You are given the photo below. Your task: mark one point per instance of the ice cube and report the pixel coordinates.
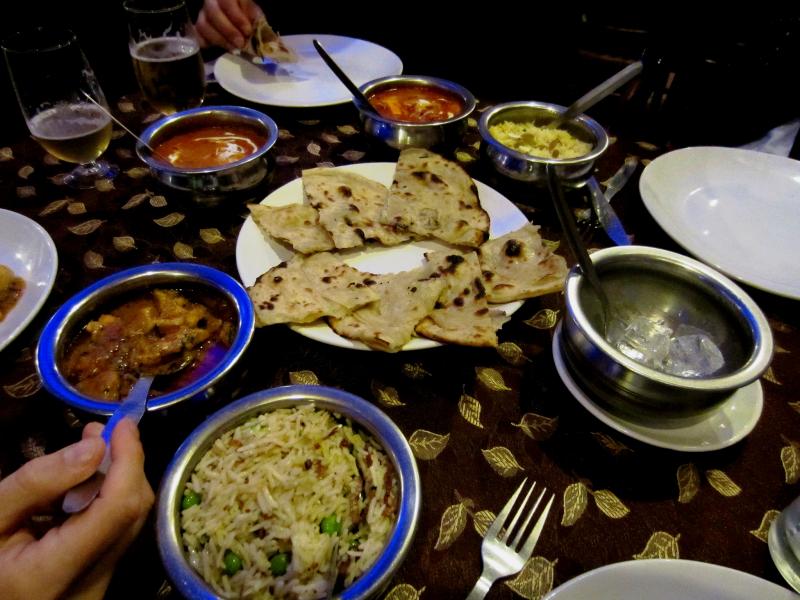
(693, 353)
(645, 339)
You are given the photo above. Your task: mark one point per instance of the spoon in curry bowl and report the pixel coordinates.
(358, 97)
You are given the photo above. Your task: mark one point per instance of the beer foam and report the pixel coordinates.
(164, 49)
(67, 121)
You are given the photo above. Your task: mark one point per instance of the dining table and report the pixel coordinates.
(478, 420)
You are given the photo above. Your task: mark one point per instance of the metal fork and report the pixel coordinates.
(501, 558)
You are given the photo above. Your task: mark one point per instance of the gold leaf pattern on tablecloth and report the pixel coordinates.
(123, 153)
(427, 445)
(26, 191)
(6, 154)
(780, 326)
(150, 118)
(512, 354)
(660, 545)
(414, 371)
(183, 251)
(117, 134)
(795, 405)
(347, 129)
(451, 525)
(609, 443)
(136, 200)
(286, 160)
(137, 172)
(330, 138)
(609, 504)
(126, 106)
(104, 185)
(404, 591)
(472, 122)
(50, 160)
(353, 155)
(535, 580)
(470, 409)
(76, 208)
(54, 206)
(582, 214)
(86, 227)
(285, 134)
(790, 459)
(211, 235)
(647, 146)
(769, 375)
(313, 148)
(762, 532)
(158, 201)
(780, 350)
(492, 379)
(544, 319)
(25, 387)
(325, 164)
(123, 243)
(93, 260)
(482, 520)
(170, 220)
(303, 378)
(576, 499)
(502, 461)
(720, 481)
(537, 427)
(25, 172)
(59, 179)
(309, 122)
(385, 394)
(464, 157)
(688, 482)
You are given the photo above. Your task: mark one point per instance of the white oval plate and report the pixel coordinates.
(668, 579)
(727, 424)
(255, 255)
(736, 210)
(28, 250)
(309, 82)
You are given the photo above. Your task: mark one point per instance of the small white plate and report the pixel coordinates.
(28, 250)
(309, 82)
(255, 255)
(668, 579)
(736, 210)
(724, 426)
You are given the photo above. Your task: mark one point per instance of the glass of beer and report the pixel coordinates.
(166, 55)
(61, 100)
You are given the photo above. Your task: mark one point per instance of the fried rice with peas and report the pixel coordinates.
(265, 506)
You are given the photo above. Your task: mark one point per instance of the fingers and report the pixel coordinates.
(224, 23)
(42, 480)
(92, 430)
(253, 12)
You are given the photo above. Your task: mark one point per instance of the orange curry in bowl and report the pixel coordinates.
(416, 103)
(180, 333)
(210, 146)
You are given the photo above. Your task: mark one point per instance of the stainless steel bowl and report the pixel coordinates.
(657, 283)
(210, 183)
(65, 324)
(400, 134)
(525, 167)
(381, 427)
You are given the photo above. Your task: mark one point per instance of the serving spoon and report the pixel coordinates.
(358, 96)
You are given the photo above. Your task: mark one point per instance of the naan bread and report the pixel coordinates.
(518, 265)
(434, 197)
(296, 224)
(350, 207)
(307, 289)
(462, 314)
(265, 43)
(388, 324)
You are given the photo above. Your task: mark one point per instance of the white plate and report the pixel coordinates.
(27, 249)
(737, 210)
(668, 579)
(724, 426)
(308, 82)
(255, 255)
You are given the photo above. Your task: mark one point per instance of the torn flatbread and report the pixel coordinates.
(264, 42)
(434, 197)
(295, 224)
(518, 265)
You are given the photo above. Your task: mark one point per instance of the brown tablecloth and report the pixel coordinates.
(616, 499)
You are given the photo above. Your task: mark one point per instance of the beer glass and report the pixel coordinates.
(61, 100)
(166, 55)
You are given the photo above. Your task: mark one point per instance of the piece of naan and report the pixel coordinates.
(518, 265)
(264, 42)
(434, 197)
(388, 324)
(295, 224)
(306, 289)
(462, 314)
(350, 207)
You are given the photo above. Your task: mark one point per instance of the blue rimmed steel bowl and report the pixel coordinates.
(65, 324)
(170, 543)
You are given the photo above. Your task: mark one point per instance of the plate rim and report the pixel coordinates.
(50, 275)
(668, 222)
(417, 342)
(321, 36)
(622, 425)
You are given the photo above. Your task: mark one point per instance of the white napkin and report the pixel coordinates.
(777, 141)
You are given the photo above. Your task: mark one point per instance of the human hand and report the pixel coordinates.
(226, 23)
(77, 558)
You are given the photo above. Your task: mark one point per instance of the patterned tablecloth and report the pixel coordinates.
(478, 419)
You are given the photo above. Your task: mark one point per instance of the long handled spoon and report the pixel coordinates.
(359, 97)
